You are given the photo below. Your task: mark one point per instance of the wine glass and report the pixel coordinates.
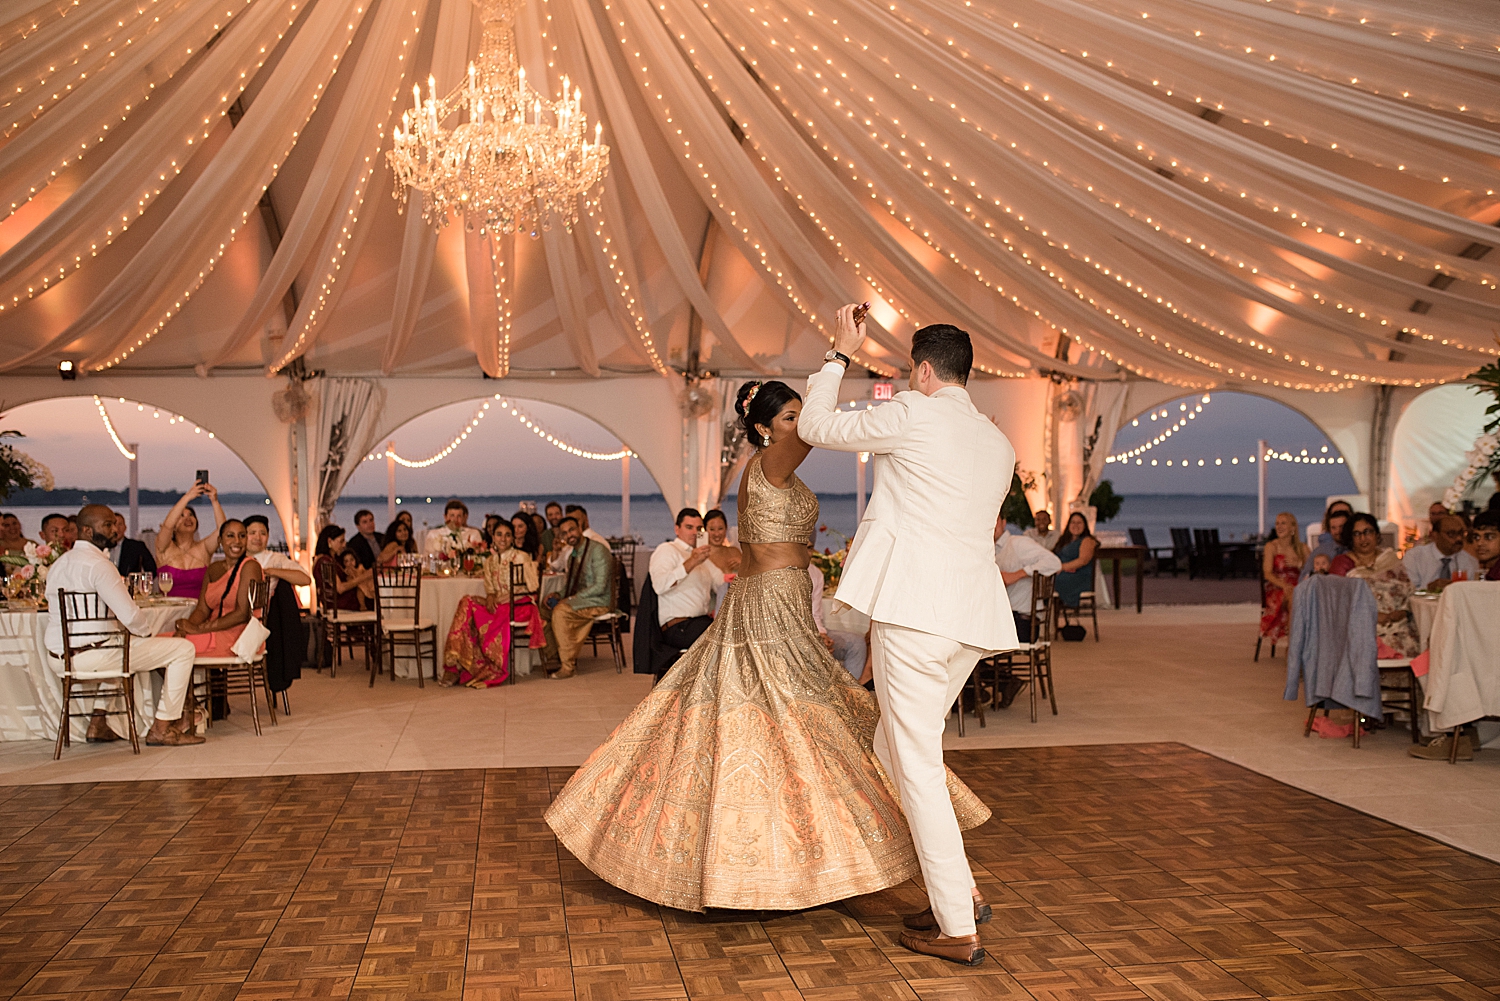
(164, 581)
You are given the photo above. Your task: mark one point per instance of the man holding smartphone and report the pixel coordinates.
(683, 579)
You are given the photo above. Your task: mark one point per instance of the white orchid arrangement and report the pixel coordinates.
(1484, 458)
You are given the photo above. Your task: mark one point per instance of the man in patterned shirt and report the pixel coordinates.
(586, 597)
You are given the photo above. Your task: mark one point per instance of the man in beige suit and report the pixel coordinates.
(922, 568)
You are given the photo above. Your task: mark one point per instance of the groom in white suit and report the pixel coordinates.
(922, 567)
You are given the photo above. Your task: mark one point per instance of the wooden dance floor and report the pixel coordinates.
(1116, 873)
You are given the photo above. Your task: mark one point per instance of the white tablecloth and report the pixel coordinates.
(31, 691)
(1423, 611)
(440, 598)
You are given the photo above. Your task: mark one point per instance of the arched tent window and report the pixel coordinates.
(70, 436)
(1193, 462)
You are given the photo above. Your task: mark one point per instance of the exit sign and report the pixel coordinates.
(883, 391)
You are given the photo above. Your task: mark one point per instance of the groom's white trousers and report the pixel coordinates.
(917, 677)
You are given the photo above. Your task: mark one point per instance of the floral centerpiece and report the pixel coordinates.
(458, 552)
(831, 562)
(26, 574)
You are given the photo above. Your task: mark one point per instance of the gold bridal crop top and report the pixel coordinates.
(777, 515)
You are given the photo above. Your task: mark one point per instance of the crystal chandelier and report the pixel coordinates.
(515, 161)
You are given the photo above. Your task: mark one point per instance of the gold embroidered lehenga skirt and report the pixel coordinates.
(746, 779)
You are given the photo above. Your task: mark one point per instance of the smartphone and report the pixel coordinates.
(202, 476)
(860, 311)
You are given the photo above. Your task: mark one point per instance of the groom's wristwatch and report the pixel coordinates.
(837, 356)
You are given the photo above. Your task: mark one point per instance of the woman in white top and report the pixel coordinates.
(277, 566)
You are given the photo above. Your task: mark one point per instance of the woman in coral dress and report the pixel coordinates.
(224, 607)
(1282, 568)
(746, 779)
(478, 649)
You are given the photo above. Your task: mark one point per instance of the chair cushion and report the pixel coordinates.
(1393, 663)
(348, 617)
(105, 674)
(222, 661)
(405, 625)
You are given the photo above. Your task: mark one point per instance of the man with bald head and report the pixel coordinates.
(1433, 565)
(87, 567)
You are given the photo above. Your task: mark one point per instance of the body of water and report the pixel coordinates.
(1233, 515)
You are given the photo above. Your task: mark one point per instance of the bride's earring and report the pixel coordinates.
(765, 439)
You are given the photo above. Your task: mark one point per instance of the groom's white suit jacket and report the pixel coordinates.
(924, 555)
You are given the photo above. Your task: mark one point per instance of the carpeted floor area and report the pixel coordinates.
(1116, 872)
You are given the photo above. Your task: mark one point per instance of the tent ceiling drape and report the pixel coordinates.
(1200, 192)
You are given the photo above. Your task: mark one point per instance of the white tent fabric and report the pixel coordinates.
(1206, 193)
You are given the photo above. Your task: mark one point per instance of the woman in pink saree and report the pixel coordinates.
(478, 648)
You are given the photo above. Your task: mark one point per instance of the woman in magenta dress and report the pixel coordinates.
(224, 607)
(1282, 567)
(179, 551)
(477, 653)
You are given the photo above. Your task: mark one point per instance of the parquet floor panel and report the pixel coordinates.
(1143, 872)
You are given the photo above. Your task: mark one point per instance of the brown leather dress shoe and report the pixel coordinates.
(964, 950)
(99, 731)
(170, 736)
(924, 920)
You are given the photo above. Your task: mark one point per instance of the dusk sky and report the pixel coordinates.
(501, 456)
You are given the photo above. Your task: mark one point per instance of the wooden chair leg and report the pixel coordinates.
(1094, 611)
(1411, 696)
(1032, 676)
(265, 686)
(130, 727)
(65, 723)
(1453, 745)
(1311, 715)
(1051, 691)
(959, 705)
(1256, 658)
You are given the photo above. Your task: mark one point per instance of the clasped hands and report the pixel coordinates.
(848, 336)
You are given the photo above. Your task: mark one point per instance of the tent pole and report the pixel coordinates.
(1260, 476)
(390, 482)
(625, 497)
(135, 489)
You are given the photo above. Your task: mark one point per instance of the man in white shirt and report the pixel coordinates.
(683, 580)
(1434, 563)
(1042, 532)
(850, 649)
(456, 533)
(1018, 557)
(85, 567)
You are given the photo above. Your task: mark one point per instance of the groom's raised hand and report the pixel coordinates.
(847, 335)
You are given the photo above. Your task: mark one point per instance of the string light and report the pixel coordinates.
(110, 427)
(506, 406)
(1181, 423)
(1302, 457)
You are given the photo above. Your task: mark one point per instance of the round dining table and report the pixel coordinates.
(31, 688)
(440, 598)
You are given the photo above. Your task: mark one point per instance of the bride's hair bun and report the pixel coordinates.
(760, 402)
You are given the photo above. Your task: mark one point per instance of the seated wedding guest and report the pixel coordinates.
(684, 579)
(1018, 557)
(585, 595)
(366, 589)
(477, 653)
(277, 567)
(406, 517)
(1042, 531)
(724, 557)
(539, 529)
(488, 531)
(54, 530)
(11, 538)
(398, 543)
(1435, 513)
(850, 649)
(456, 533)
(1281, 567)
(1380, 568)
(1331, 542)
(179, 550)
(328, 551)
(1485, 542)
(367, 543)
(224, 606)
(1075, 548)
(554, 513)
(70, 534)
(579, 514)
(131, 555)
(85, 567)
(524, 535)
(1432, 566)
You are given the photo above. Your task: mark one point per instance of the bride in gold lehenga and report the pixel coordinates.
(746, 779)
